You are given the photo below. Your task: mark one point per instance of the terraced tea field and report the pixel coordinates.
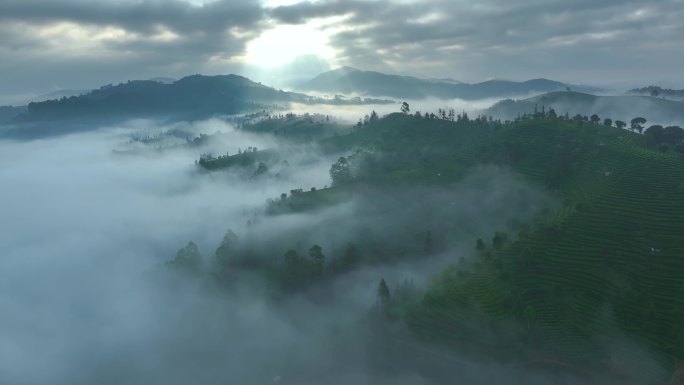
(607, 269)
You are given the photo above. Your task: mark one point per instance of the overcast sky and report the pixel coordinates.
(79, 44)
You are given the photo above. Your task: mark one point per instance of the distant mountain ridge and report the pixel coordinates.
(657, 91)
(196, 95)
(348, 80)
(613, 107)
(191, 97)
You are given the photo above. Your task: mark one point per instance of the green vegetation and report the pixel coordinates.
(657, 91)
(606, 262)
(295, 129)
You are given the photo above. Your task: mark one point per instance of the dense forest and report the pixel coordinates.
(596, 256)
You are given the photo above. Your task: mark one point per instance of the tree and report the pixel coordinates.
(383, 293)
(316, 255)
(656, 133)
(261, 169)
(405, 291)
(374, 117)
(530, 315)
(227, 250)
(499, 240)
(296, 269)
(620, 124)
(595, 119)
(637, 124)
(347, 261)
(291, 258)
(428, 248)
(340, 172)
(188, 257)
(405, 108)
(552, 114)
(673, 135)
(578, 119)
(350, 258)
(607, 122)
(480, 245)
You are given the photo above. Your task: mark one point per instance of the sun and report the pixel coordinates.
(284, 43)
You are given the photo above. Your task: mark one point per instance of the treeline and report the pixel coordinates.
(293, 270)
(656, 136)
(657, 91)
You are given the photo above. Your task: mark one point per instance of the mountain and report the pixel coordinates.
(191, 97)
(348, 80)
(657, 91)
(615, 107)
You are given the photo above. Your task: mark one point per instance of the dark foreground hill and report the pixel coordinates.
(348, 80)
(615, 107)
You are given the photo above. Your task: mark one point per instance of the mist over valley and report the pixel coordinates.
(341, 192)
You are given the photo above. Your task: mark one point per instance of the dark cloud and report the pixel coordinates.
(78, 44)
(475, 40)
(620, 42)
(144, 17)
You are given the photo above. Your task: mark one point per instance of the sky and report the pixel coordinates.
(47, 45)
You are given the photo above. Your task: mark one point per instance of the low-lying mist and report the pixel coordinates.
(352, 113)
(89, 219)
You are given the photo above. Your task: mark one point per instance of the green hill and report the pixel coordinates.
(578, 292)
(590, 284)
(614, 107)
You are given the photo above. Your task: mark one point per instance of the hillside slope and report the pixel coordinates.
(590, 290)
(615, 107)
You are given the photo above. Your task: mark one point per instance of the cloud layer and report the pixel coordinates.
(85, 230)
(76, 44)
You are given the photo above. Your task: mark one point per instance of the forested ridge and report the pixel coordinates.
(599, 258)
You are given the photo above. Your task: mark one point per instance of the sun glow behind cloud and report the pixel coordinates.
(285, 43)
